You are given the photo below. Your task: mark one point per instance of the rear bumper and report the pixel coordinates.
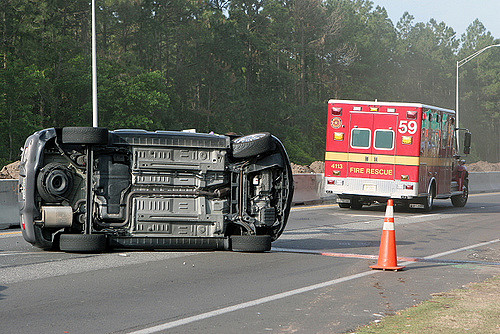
(371, 187)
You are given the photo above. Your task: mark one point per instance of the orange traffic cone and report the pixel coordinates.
(387, 257)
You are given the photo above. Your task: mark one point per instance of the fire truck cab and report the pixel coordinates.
(404, 151)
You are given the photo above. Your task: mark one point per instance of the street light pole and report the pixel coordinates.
(94, 70)
(456, 98)
(462, 62)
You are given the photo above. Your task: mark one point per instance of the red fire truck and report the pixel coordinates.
(405, 151)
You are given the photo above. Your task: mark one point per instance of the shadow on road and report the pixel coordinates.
(2, 288)
(440, 206)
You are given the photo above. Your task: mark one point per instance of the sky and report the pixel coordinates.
(457, 14)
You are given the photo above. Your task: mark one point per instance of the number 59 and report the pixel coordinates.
(407, 126)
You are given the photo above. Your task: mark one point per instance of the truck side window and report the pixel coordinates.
(360, 138)
(384, 139)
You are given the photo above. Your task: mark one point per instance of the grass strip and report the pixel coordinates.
(473, 309)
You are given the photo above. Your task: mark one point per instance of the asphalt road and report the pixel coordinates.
(276, 292)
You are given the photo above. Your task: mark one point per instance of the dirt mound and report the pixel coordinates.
(316, 167)
(11, 171)
(483, 166)
(297, 169)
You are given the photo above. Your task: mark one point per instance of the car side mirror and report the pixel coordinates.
(467, 141)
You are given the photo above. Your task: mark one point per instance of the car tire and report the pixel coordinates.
(85, 135)
(459, 201)
(251, 145)
(82, 243)
(250, 243)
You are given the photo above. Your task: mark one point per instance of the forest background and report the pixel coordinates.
(234, 66)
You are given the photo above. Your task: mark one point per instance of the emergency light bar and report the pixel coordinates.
(411, 114)
(336, 111)
(408, 140)
(338, 136)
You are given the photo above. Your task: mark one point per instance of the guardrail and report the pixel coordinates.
(309, 188)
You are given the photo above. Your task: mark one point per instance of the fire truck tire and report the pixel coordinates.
(429, 200)
(82, 243)
(356, 204)
(84, 135)
(460, 200)
(405, 205)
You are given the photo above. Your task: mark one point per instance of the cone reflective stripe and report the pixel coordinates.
(387, 257)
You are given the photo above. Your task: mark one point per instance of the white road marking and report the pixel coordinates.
(461, 249)
(84, 264)
(224, 310)
(18, 253)
(251, 303)
(376, 216)
(424, 216)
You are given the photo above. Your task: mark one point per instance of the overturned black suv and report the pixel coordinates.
(153, 190)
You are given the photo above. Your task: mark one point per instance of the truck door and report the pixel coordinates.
(372, 145)
(384, 145)
(360, 144)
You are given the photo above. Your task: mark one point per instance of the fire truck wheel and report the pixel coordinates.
(460, 200)
(405, 205)
(356, 203)
(429, 200)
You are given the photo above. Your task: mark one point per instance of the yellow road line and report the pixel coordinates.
(7, 233)
(295, 208)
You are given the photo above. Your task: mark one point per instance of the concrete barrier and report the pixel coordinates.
(9, 210)
(309, 188)
(484, 182)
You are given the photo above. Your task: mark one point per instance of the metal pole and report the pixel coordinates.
(460, 63)
(456, 115)
(94, 70)
(89, 195)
